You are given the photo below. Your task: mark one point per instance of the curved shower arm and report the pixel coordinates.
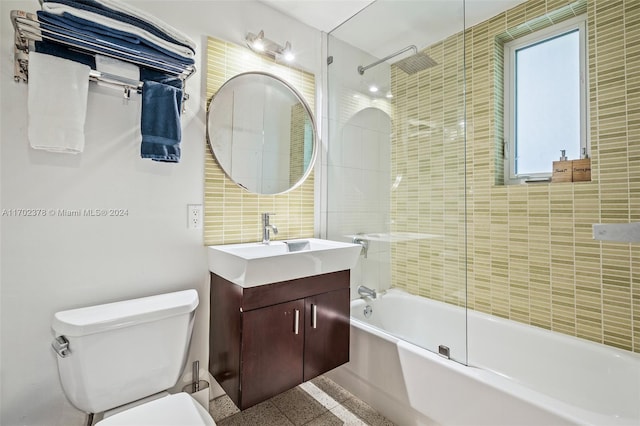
(362, 69)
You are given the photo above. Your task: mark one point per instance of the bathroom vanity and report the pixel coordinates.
(269, 338)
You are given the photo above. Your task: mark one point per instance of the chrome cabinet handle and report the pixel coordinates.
(296, 321)
(314, 316)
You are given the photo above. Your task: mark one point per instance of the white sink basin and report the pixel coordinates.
(252, 264)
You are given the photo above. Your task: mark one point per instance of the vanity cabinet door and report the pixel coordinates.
(272, 347)
(326, 332)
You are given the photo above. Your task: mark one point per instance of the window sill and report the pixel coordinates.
(548, 181)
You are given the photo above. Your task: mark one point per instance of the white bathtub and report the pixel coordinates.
(517, 374)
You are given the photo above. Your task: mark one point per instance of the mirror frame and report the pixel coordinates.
(305, 105)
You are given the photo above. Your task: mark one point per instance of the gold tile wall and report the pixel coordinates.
(231, 214)
(529, 249)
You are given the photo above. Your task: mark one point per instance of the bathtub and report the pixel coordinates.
(516, 374)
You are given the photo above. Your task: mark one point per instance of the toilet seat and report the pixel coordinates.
(179, 409)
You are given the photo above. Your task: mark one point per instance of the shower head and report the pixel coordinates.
(417, 62)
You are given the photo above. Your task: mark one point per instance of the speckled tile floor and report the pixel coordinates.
(318, 402)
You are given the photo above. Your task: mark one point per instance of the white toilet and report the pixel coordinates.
(125, 355)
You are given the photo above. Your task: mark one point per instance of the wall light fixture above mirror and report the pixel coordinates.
(262, 133)
(263, 46)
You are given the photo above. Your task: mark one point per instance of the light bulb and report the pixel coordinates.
(258, 45)
(287, 53)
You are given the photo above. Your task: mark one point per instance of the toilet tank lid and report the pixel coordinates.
(109, 316)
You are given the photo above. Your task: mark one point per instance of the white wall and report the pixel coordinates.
(55, 263)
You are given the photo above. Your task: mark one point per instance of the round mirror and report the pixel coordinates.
(262, 133)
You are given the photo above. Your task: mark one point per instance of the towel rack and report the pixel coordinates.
(27, 29)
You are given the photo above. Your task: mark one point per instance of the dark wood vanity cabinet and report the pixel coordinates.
(267, 339)
(271, 352)
(326, 338)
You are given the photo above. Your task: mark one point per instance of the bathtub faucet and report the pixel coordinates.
(366, 291)
(364, 243)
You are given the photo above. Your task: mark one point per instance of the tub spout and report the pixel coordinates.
(366, 291)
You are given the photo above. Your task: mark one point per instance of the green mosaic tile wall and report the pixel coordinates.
(529, 248)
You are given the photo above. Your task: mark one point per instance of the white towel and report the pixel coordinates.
(57, 103)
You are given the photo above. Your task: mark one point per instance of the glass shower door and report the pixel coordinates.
(396, 161)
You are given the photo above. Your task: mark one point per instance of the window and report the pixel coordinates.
(545, 100)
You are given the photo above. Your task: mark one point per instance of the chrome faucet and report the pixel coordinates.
(366, 291)
(364, 243)
(266, 227)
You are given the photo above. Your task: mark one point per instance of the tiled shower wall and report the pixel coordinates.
(232, 214)
(529, 248)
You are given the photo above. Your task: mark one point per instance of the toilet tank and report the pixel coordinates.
(123, 351)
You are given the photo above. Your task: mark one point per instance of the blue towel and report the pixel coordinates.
(62, 51)
(72, 27)
(107, 39)
(120, 53)
(153, 63)
(160, 119)
(94, 7)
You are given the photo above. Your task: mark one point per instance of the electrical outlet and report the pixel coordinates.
(194, 216)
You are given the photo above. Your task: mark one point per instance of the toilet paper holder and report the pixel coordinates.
(199, 389)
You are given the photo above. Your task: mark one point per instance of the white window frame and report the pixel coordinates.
(578, 23)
